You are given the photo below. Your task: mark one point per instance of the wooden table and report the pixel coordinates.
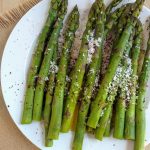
(10, 136)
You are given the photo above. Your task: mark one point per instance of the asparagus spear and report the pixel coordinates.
(128, 8)
(140, 103)
(44, 70)
(100, 99)
(108, 126)
(78, 73)
(57, 105)
(113, 4)
(90, 81)
(106, 112)
(130, 111)
(113, 88)
(140, 61)
(49, 96)
(113, 18)
(36, 62)
(121, 102)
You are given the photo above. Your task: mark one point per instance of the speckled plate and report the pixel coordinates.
(14, 67)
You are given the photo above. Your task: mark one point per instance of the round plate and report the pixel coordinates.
(14, 67)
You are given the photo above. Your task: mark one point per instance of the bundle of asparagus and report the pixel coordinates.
(37, 59)
(114, 99)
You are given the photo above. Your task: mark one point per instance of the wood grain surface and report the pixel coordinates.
(10, 136)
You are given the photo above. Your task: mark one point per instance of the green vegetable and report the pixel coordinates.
(113, 4)
(44, 70)
(36, 61)
(93, 71)
(78, 73)
(130, 111)
(140, 61)
(114, 17)
(49, 98)
(140, 126)
(113, 88)
(57, 105)
(108, 126)
(99, 102)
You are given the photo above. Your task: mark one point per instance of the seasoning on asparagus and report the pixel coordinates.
(44, 70)
(57, 104)
(130, 111)
(109, 123)
(123, 96)
(36, 61)
(49, 97)
(91, 78)
(140, 103)
(140, 61)
(114, 17)
(78, 73)
(99, 102)
(124, 93)
(113, 88)
(113, 4)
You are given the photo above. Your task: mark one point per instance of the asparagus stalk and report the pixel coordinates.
(113, 88)
(140, 61)
(140, 103)
(114, 17)
(121, 105)
(130, 111)
(78, 73)
(113, 4)
(99, 102)
(90, 80)
(49, 96)
(36, 61)
(57, 105)
(120, 111)
(121, 102)
(125, 9)
(44, 70)
(100, 99)
(108, 126)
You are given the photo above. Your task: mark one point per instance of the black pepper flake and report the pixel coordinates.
(11, 87)
(8, 106)
(147, 20)
(9, 72)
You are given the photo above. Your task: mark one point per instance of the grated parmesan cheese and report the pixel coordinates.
(68, 79)
(53, 67)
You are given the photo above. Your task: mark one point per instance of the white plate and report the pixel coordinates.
(15, 63)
